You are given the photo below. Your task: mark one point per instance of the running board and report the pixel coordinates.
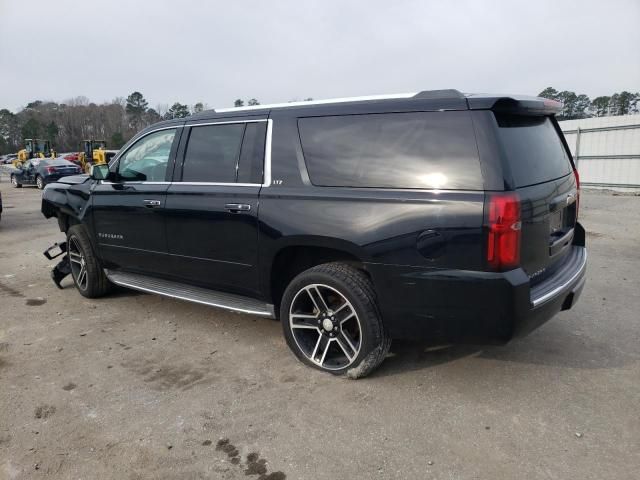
(228, 301)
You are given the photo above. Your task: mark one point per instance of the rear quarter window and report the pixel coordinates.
(421, 150)
(533, 148)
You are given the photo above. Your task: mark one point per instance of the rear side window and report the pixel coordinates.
(393, 150)
(533, 148)
(252, 155)
(212, 153)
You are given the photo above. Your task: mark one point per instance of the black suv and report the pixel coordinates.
(435, 215)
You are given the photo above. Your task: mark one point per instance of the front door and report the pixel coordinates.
(128, 212)
(211, 209)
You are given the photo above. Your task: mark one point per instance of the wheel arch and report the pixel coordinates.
(301, 253)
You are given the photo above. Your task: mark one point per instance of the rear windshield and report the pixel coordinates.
(533, 148)
(425, 150)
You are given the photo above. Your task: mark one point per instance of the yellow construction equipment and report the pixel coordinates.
(34, 148)
(94, 152)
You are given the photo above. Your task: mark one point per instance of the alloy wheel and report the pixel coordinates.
(39, 183)
(325, 326)
(78, 264)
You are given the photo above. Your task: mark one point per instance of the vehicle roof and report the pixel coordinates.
(428, 100)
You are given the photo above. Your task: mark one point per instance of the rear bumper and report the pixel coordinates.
(558, 293)
(474, 307)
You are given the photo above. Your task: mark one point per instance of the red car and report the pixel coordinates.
(72, 157)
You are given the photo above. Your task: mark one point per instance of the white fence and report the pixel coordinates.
(606, 150)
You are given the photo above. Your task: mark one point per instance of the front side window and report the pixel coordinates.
(147, 159)
(213, 153)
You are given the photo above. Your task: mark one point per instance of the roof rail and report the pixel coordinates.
(424, 95)
(316, 102)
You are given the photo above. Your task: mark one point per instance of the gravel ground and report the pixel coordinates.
(139, 386)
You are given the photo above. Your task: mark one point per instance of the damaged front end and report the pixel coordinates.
(63, 267)
(67, 200)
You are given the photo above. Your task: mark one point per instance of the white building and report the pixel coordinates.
(606, 150)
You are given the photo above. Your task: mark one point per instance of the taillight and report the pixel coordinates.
(51, 169)
(575, 172)
(503, 240)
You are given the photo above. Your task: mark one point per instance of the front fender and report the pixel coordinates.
(62, 199)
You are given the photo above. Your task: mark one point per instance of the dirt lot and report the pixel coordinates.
(139, 386)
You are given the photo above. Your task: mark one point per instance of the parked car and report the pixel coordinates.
(6, 159)
(73, 157)
(40, 172)
(437, 216)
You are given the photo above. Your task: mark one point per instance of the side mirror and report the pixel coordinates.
(99, 172)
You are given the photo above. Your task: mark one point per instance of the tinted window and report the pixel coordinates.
(147, 159)
(534, 150)
(212, 153)
(397, 150)
(252, 156)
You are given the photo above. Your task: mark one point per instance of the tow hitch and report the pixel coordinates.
(63, 268)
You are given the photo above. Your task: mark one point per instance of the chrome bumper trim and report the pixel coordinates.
(561, 288)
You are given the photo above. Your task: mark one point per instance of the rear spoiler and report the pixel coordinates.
(521, 104)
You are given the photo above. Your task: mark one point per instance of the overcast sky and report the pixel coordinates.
(217, 51)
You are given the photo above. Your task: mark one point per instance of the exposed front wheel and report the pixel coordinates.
(39, 182)
(86, 271)
(331, 320)
(14, 182)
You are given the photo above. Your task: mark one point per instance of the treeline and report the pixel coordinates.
(581, 106)
(67, 124)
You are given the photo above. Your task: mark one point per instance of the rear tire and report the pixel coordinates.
(14, 182)
(331, 321)
(86, 270)
(39, 182)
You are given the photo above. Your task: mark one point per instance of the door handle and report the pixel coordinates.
(238, 207)
(151, 203)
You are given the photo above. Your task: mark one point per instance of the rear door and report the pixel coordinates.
(212, 205)
(540, 169)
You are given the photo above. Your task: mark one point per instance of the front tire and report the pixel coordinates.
(331, 321)
(39, 182)
(86, 271)
(14, 182)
